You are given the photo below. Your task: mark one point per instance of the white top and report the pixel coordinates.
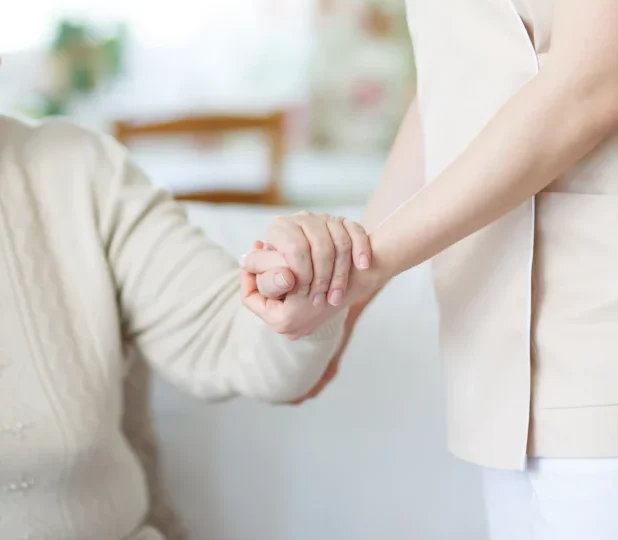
(95, 262)
(528, 305)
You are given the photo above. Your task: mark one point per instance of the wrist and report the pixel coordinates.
(362, 287)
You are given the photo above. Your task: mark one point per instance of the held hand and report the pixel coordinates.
(272, 272)
(293, 315)
(300, 314)
(320, 250)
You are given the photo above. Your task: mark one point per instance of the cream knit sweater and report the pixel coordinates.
(95, 262)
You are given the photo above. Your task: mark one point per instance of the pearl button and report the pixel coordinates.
(16, 429)
(21, 486)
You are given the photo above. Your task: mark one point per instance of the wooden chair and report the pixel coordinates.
(272, 126)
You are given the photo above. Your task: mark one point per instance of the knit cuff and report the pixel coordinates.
(330, 330)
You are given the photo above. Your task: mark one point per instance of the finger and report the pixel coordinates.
(287, 237)
(251, 297)
(322, 251)
(258, 261)
(275, 283)
(274, 280)
(361, 245)
(270, 310)
(343, 260)
(249, 289)
(248, 283)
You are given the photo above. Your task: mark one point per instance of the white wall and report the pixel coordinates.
(366, 461)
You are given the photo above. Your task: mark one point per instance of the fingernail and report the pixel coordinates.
(336, 297)
(363, 262)
(242, 262)
(281, 282)
(319, 300)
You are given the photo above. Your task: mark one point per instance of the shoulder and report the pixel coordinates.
(55, 138)
(59, 156)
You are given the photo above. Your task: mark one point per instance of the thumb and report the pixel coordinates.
(273, 278)
(258, 261)
(275, 283)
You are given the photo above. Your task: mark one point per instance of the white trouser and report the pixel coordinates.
(554, 499)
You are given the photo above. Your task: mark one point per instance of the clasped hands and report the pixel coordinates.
(309, 268)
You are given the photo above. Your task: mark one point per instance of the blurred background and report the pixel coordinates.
(226, 96)
(270, 105)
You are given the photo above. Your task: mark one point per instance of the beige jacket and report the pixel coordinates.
(94, 261)
(529, 305)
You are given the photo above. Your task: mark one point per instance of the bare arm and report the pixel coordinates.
(403, 176)
(404, 172)
(565, 112)
(560, 116)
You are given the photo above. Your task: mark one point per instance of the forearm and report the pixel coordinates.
(210, 345)
(403, 176)
(260, 364)
(180, 298)
(404, 172)
(214, 348)
(547, 127)
(568, 109)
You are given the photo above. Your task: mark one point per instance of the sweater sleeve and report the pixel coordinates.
(179, 296)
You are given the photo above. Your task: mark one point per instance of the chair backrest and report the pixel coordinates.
(271, 125)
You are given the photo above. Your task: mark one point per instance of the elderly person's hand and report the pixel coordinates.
(330, 260)
(319, 249)
(270, 275)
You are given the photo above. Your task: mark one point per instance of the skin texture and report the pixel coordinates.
(313, 245)
(322, 248)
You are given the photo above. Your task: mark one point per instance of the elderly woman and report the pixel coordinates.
(100, 275)
(518, 110)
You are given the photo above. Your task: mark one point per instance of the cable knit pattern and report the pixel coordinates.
(95, 262)
(139, 429)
